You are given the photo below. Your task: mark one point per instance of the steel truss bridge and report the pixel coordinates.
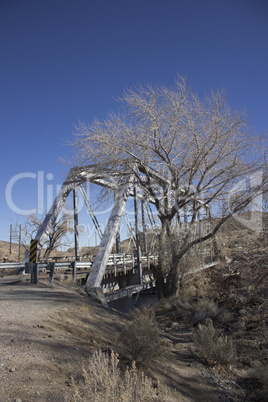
(100, 276)
(120, 278)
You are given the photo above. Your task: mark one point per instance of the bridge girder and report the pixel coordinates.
(77, 176)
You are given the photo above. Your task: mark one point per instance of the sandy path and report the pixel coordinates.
(41, 343)
(49, 330)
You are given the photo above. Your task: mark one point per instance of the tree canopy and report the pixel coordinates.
(187, 152)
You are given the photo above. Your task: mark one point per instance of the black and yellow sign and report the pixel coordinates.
(33, 251)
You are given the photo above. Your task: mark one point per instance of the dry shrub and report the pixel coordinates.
(263, 375)
(104, 381)
(215, 349)
(140, 338)
(195, 311)
(204, 309)
(256, 383)
(191, 310)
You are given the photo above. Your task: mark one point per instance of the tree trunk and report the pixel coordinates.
(168, 261)
(172, 281)
(160, 272)
(161, 286)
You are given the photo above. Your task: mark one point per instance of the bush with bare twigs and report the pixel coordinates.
(262, 374)
(191, 310)
(104, 381)
(215, 349)
(140, 338)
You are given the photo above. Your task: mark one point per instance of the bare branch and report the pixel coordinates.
(200, 145)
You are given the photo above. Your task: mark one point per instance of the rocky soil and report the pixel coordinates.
(48, 332)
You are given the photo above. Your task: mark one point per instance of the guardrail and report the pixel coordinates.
(116, 261)
(12, 265)
(117, 272)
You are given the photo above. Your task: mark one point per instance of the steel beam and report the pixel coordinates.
(99, 265)
(144, 228)
(137, 231)
(76, 234)
(52, 215)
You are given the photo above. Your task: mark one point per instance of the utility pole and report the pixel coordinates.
(19, 240)
(10, 240)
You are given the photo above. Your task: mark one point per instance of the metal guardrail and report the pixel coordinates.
(12, 265)
(115, 261)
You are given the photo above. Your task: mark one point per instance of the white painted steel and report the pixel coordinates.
(108, 238)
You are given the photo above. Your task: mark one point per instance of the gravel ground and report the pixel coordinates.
(48, 331)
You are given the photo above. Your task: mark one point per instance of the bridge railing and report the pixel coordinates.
(121, 277)
(117, 263)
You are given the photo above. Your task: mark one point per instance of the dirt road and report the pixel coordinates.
(48, 332)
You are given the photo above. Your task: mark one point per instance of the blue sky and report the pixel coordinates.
(65, 60)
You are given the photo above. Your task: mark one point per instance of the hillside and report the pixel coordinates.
(237, 233)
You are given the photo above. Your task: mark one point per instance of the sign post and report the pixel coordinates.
(33, 251)
(32, 259)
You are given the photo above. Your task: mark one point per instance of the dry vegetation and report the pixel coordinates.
(215, 349)
(140, 339)
(217, 326)
(227, 309)
(104, 381)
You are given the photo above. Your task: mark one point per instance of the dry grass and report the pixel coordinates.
(191, 310)
(104, 381)
(203, 309)
(262, 374)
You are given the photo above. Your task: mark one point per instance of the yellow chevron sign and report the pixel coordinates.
(33, 251)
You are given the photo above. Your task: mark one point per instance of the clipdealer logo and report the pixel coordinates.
(44, 191)
(253, 219)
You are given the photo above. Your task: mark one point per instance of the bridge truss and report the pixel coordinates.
(125, 189)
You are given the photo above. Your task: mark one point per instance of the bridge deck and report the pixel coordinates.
(121, 277)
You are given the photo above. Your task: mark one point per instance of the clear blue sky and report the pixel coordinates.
(65, 60)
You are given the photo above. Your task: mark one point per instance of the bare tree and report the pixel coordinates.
(189, 155)
(59, 231)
